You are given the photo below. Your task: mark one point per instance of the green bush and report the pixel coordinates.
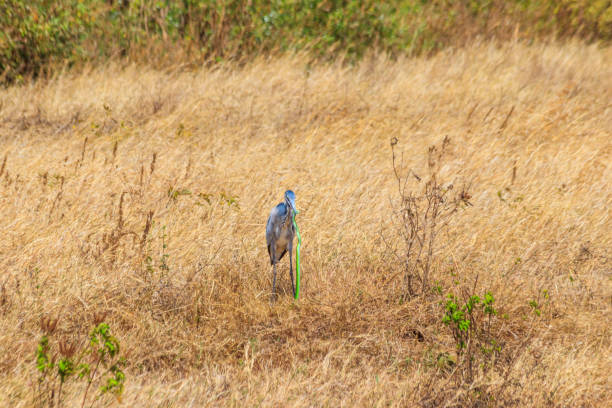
(37, 34)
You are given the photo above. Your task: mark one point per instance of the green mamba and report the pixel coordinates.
(297, 259)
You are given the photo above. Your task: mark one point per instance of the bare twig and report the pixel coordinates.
(419, 216)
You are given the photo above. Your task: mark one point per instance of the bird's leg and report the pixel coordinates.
(290, 249)
(273, 257)
(274, 283)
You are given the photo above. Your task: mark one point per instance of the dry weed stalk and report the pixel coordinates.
(111, 240)
(3, 166)
(98, 317)
(58, 198)
(115, 148)
(145, 232)
(82, 159)
(3, 297)
(67, 348)
(153, 160)
(48, 324)
(419, 216)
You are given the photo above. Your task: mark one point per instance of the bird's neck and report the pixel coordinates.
(289, 213)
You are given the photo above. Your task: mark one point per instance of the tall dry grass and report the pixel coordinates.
(90, 156)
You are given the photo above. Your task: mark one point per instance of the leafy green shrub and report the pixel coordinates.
(470, 323)
(37, 33)
(95, 362)
(591, 19)
(483, 349)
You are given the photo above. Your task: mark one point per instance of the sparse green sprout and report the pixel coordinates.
(65, 368)
(105, 343)
(229, 200)
(488, 304)
(205, 197)
(43, 362)
(114, 383)
(83, 370)
(534, 305)
(174, 194)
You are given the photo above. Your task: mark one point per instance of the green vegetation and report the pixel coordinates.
(37, 34)
(97, 361)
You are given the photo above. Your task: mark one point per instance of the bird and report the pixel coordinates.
(279, 235)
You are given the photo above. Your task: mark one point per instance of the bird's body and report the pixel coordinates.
(280, 233)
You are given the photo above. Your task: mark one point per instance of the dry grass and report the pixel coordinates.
(202, 331)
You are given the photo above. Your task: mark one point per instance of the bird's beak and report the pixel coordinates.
(292, 204)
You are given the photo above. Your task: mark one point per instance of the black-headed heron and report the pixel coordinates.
(279, 235)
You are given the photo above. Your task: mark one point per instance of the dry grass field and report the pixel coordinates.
(143, 195)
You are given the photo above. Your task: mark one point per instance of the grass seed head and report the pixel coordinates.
(48, 324)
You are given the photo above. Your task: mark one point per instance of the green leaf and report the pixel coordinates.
(65, 368)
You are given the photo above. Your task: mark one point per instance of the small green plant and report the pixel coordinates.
(174, 194)
(537, 304)
(94, 361)
(535, 307)
(470, 323)
(229, 200)
(163, 259)
(158, 269)
(205, 197)
(442, 361)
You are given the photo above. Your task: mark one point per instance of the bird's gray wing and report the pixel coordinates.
(273, 227)
(269, 235)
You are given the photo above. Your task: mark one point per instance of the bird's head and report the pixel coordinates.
(290, 200)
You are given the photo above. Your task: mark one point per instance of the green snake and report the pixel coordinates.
(297, 259)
